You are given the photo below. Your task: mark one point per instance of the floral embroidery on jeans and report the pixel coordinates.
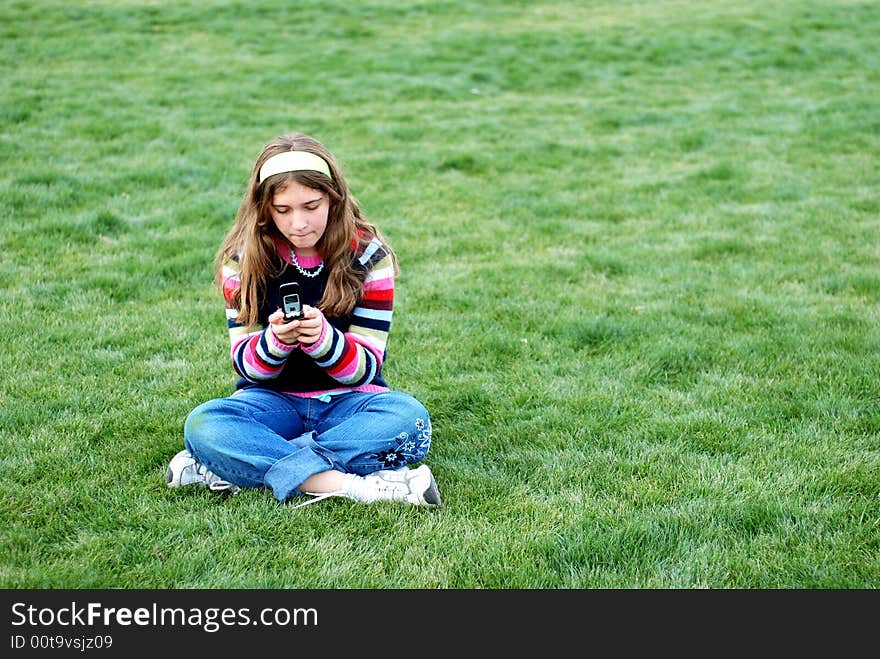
(408, 448)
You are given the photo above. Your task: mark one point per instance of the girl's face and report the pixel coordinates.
(300, 214)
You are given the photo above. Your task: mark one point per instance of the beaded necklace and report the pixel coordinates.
(303, 272)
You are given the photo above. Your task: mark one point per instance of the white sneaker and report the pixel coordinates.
(414, 486)
(184, 469)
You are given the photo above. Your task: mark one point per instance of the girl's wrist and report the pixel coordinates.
(275, 341)
(312, 347)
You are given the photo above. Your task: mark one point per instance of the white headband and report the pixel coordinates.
(293, 161)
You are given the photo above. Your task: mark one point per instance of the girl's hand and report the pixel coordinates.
(305, 330)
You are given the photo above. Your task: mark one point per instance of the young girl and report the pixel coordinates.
(311, 413)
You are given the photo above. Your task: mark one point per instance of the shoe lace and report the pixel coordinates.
(214, 482)
(316, 496)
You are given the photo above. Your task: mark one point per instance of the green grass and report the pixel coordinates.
(639, 291)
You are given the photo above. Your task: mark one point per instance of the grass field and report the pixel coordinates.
(639, 295)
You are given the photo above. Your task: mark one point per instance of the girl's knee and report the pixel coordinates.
(197, 429)
(406, 426)
(414, 441)
(408, 407)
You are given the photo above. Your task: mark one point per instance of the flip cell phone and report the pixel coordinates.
(291, 302)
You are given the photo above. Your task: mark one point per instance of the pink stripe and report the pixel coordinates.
(346, 373)
(252, 366)
(235, 347)
(366, 388)
(379, 284)
(252, 360)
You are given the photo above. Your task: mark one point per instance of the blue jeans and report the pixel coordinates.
(262, 438)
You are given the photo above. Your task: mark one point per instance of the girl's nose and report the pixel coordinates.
(298, 220)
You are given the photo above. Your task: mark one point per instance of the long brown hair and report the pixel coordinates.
(253, 238)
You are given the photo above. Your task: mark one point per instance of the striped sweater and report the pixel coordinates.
(350, 351)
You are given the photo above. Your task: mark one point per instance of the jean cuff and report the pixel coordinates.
(286, 475)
